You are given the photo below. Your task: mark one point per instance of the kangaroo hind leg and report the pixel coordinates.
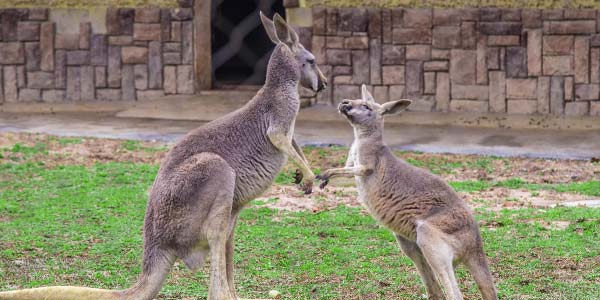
(410, 248)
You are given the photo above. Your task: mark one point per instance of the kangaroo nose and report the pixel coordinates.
(346, 102)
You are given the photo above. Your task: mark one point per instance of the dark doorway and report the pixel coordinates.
(240, 46)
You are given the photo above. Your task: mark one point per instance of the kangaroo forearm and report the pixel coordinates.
(299, 151)
(349, 172)
(284, 145)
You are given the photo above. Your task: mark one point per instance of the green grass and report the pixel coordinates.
(81, 225)
(455, 3)
(589, 188)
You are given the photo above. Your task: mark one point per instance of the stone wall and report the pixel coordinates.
(98, 54)
(462, 60)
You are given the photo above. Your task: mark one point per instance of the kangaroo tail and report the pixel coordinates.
(155, 268)
(478, 266)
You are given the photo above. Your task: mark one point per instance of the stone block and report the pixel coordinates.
(504, 40)
(386, 26)
(375, 22)
(332, 21)
(146, 32)
(557, 65)
(147, 15)
(28, 31)
(356, 42)
(481, 65)
(165, 25)
(155, 66)
(85, 34)
(396, 92)
(141, 77)
(172, 47)
(33, 56)
(414, 77)
(417, 17)
(339, 57)
(67, 41)
(342, 79)
(149, 94)
(134, 55)
(375, 61)
(187, 47)
(558, 44)
(581, 59)
(489, 14)
(108, 94)
(319, 20)
(120, 21)
(98, 50)
(580, 14)
(411, 36)
(393, 74)
(424, 103)
(342, 70)
(127, 83)
(463, 66)
(570, 27)
(446, 37)
(552, 14)
(497, 102)
(521, 88)
(87, 83)
(468, 106)
(436, 65)
(114, 67)
(12, 53)
(531, 18)
(185, 79)
(429, 83)
(21, 78)
(10, 84)
(381, 93)
(595, 108)
(557, 95)
(569, 88)
(120, 40)
(446, 17)
(440, 54)
(60, 69)
(500, 28)
(53, 95)
(587, 92)
(442, 92)
(9, 22)
(344, 91)
(492, 58)
(392, 55)
(534, 52)
(397, 13)
(521, 106)
(78, 57)
(469, 92)
(30, 95)
(170, 79)
(172, 58)
(40, 80)
(516, 62)
(543, 95)
(595, 65)
(577, 108)
(182, 14)
(319, 49)
(73, 84)
(38, 14)
(47, 46)
(468, 35)
(335, 42)
(353, 19)
(176, 31)
(510, 14)
(418, 52)
(100, 77)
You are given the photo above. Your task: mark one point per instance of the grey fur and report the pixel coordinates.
(209, 176)
(432, 224)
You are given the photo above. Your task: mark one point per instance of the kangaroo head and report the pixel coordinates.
(366, 113)
(281, 33)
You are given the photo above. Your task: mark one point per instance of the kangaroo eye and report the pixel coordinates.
(366, 107)
(310, 61)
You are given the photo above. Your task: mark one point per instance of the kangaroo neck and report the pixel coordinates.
(283, 72)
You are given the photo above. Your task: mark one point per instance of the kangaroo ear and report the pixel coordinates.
(366, 95)
(394, 107)
(269, 28)
(285, 33)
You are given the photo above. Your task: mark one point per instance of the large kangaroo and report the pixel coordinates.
(432, 224)
(208, 177)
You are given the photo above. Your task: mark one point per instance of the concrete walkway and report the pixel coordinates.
(168, 119)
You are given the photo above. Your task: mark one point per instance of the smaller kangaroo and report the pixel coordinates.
(432, 224)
